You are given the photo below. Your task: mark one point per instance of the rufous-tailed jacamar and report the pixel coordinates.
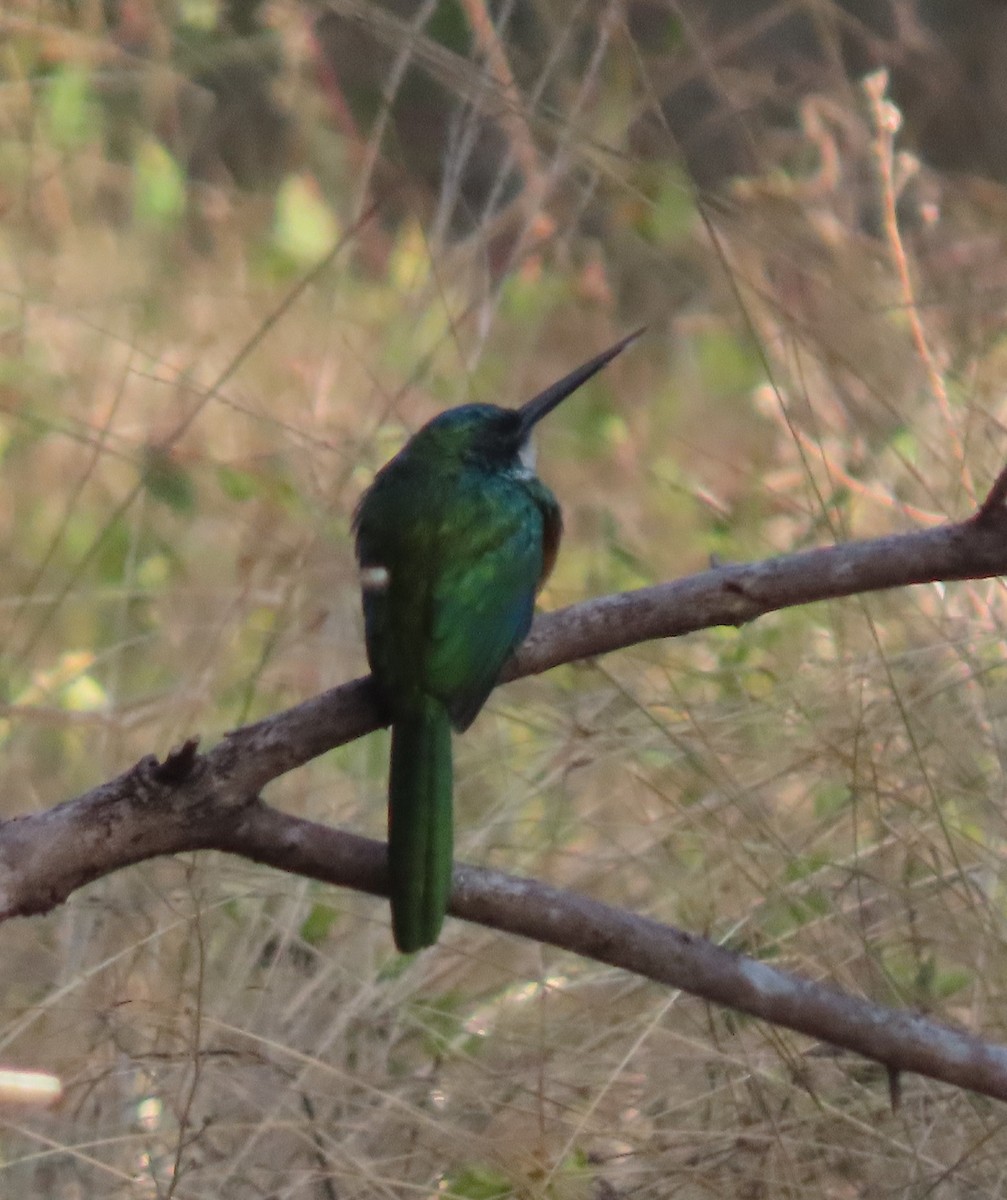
(455, 537)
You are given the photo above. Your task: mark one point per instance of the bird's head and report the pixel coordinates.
(475, 434)
(500, 438)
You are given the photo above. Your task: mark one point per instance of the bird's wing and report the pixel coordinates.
(481, 604)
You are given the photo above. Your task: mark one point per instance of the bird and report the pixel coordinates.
(454, 538)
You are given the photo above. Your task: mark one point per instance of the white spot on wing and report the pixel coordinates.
(374, 579)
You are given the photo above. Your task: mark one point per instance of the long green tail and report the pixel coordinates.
(420, 826)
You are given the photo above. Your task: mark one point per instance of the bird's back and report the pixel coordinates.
(463, 550)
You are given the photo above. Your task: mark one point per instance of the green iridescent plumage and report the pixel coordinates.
(454, 538)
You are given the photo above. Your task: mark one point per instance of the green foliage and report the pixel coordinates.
(305, 229)
(474, 1182)
(477, 1181)
(200, 14)
(394, 967)
(443, 1019)
(317, 925)
(159, 191)
(782, 918)
(238, 485)
(806, 865)
(449, 26)
(70, 107)
(831, 798)
(921, 980)
(670, 217)
(109, 545)
(167, 481)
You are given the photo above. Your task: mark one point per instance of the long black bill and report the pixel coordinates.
(546, 401)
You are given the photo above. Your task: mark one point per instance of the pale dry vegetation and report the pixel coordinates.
(824, 789)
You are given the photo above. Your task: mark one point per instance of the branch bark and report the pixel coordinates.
(196, 801)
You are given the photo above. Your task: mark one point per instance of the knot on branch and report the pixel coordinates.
(178, 766)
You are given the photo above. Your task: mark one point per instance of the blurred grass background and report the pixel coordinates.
(823, 789)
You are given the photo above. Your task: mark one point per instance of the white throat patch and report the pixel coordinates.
(374, 579)
(526, 457)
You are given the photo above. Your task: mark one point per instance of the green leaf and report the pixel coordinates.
(166, 481)
(830, 798)
(802, 866)
(316, 925)
(200, 14)
(116, 542)
(475, 1182)
(238, 485)
(154, 572)
(84, 694)
(449, 26)
(783, 916)
(71, 114)
(672, 215)
(394, 966)
(947, 983)
(159, 195)
(305, 229)
(443, 1023)
(905, 443)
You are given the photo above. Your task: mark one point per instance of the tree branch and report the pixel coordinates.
(196, 801)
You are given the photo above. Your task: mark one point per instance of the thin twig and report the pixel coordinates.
(991, 507)
(511, 115)
(887, 120)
